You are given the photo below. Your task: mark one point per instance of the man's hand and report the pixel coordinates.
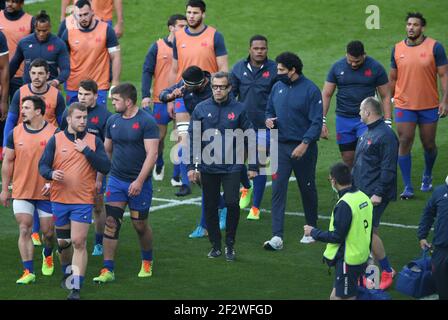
(376, 200)
(135, 188)
(443, 109)
(57, 175)
(119, 29)
(80, 145)
(307, 230)
(4, 198)
(424, 244)
(54, 83)
(109, 95)
(146, 102)
(270, 122)
(46, 189)
(3, 110)
(299, 151)
(251, 174)
(324, 132)
(194, 176)
(177, 93)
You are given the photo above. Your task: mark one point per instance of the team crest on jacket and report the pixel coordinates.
(95, 120)
(136, 126)
(231, 116)
(266, 74)
(368, 73)
(50, 47)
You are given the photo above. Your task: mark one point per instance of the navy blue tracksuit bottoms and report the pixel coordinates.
(305, 172)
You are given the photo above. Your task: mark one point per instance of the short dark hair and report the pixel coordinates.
(82, 3)
(42, 17)
(257, 37)
(38, 103)
(173, 19)
(126, 91)
(340, 172)
(89, 85)
(355, 48)
(39, 62)
(417, 15)
(76, 106)
(290, 60)
(196, 4)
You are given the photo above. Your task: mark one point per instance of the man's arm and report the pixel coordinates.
(7, 171)
(342, 222)
(389, 158)
(98, 159)
(327, 93)
(119, 27)
(442, 71)
(60, 109)
(427, 219)
(108, 147)
(63, 64)
(13, 116)
(151, 148)
(16, 61)
(46, 161)
(223, 64)
(64, 5)
(149, 67)
(4, 83)
(116, 67)
(385, 93)
(172, 93)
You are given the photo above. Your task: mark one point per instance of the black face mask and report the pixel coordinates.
(284, 78)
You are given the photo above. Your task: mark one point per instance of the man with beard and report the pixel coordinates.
(357, 76)
(157, 65)
(26, 144)
(252, 80)
(415, 64)
(55, 105)
(42, 44)
(132, 139)
(71, 160)
(97, 116)
(93, 45)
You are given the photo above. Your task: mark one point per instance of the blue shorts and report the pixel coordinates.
(160, 114)
(348, 130)
(378, 212)
(117, 191)
(65, 213)
(179, 106)
(72, 96)
(346, 279)
(417, 116)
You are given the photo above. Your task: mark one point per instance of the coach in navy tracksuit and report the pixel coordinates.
(215, 116)
(295, 108)
(437, 209)
(252, 80)
(45, 45)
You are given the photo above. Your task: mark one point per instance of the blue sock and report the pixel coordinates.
(385, 266)
(176, 170)
(147, 255)
(405, 163)
(160, 162)
(77, 282)
(430, 158)
(221, 203)
(244, 179)
(259, 186)
(109, 265)
(36, 222)
(28, 265)
(47, 251)
(98, 238)
(183, 169)
(65, 269)
(202, 223)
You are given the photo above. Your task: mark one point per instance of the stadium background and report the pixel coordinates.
(318, 32)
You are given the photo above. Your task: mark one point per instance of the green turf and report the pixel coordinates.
(318, 31)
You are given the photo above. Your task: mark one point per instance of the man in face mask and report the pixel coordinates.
(295, 109)
(349, 234)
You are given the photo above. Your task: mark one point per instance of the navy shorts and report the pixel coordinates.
(117, 191)
(348, 130)
(347, 277)
(160, 114)
(179, 106)
(64, 213)
(417, 116)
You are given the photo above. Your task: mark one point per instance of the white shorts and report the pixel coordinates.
(28, 207)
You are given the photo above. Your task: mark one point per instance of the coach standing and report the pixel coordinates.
(295, 109)
(219, 113)
(375, 174)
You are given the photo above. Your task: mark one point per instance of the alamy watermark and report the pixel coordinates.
(373, 20)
